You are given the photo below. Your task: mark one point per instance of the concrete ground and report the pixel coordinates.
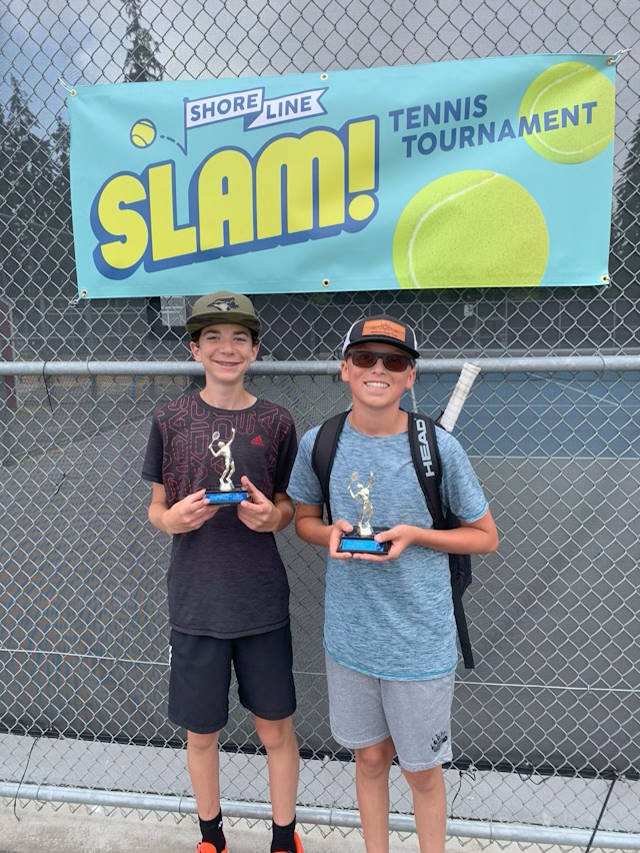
(92, 830)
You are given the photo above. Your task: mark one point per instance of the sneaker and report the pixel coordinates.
(297, 844)
(205, 847)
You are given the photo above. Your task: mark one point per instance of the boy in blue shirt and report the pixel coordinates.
(389, 632)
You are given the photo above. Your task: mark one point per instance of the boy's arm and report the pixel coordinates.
(472, 537)
(184, 516)
(310, 526)
(284, 505)
(264, 515)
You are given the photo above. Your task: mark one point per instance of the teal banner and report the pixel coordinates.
(481, 173)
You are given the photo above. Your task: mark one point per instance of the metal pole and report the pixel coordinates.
(546, 364)
(345, 818)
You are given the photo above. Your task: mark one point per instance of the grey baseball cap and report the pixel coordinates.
(223, 307)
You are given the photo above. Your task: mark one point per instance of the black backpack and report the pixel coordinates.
(426, 459)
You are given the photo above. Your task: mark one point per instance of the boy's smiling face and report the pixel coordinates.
(225, 350)
(377, 387)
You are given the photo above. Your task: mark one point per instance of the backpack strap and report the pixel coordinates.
(461, 619)
(324, 452)
(426, 460)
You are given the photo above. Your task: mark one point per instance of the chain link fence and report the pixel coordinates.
(546, 726)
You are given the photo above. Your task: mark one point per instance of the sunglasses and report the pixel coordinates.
(393, 361)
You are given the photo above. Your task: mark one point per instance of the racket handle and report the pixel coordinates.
(459, 395)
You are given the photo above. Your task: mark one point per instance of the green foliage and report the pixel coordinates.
(625, 234)
(27, 158)
(141, 62)
(36, 245)
(34, 207)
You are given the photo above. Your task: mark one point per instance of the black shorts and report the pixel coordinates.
(201, 675)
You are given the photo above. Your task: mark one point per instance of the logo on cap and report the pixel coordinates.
(224, 303)
(384, 327)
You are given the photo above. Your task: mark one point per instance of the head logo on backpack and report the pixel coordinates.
(426, 461)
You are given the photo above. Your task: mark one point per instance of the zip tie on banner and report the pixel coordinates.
(77, 299)
(613, 59)
(66, 86)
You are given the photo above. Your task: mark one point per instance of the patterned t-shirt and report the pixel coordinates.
(393, 620)
(224, 579)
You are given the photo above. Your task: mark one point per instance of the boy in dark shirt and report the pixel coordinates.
(228, 589)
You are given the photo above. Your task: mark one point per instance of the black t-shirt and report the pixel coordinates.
(224, 579)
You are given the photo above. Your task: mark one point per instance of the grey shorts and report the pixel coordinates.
(365, 710)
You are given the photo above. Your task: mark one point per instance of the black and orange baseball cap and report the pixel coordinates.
(385, 330)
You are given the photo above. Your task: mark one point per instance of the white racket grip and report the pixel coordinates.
(458, 396)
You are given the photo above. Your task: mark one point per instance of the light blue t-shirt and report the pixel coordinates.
(393, 620)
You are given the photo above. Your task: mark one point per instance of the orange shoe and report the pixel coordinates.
(205, 847)
(298, 848)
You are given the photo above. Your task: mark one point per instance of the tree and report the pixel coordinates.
(4, 162)
(625, 235)
(25, 185)
(141, 63)
(27, 170)
(60, 189)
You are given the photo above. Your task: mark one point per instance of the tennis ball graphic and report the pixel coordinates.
(566, 88)
(471, 229)
(143, 133)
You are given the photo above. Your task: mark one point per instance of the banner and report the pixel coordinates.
(480, 173)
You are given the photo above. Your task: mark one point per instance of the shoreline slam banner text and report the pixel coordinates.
(479, 173)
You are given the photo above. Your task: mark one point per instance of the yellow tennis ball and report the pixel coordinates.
(143, 133)
(471, 229)
(576, 104)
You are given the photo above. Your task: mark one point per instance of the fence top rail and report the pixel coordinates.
(534, 364)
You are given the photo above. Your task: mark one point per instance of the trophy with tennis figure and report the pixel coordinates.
(226, 493)
(362, 541)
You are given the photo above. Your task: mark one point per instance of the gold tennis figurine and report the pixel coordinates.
(362, 541)
(226, 493)
(363, 493)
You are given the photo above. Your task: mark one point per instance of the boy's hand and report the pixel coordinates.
(400, 536)
(258, 513)
(338, 528)
(189, 514)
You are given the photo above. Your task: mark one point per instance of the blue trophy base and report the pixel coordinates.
(219, 498)
(354, 543)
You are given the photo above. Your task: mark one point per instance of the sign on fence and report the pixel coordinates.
(486, 172)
